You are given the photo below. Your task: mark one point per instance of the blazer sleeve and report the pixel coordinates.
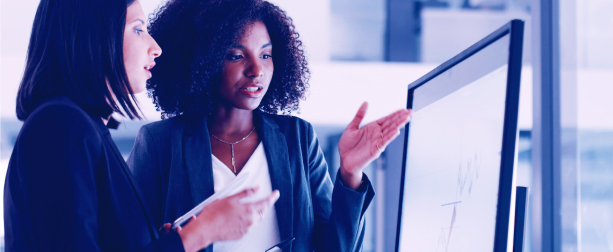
(339, 210)
(145, 167)
(59, 153)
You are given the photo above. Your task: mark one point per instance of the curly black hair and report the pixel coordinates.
(196, 36)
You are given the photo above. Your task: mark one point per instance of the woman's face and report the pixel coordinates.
(248, 69)
(139, 48)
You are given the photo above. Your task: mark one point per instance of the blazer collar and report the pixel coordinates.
(128, 173)
(275, 147)
(198, 160)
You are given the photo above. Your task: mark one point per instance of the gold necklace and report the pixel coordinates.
(232, 145)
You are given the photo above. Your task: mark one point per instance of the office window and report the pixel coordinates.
(429, 31)
(357, 30)
(594, 72)
(448, 27)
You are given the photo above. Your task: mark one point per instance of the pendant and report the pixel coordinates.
(233, 164)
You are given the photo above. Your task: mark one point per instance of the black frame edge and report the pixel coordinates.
(404, 165)
(507, 160)
(521, 215)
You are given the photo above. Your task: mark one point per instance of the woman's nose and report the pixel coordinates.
(254, 69)
(155, 49)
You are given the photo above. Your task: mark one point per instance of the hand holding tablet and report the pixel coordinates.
(227, 191)
(221, 218)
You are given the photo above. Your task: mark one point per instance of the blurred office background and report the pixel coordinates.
(370, 50)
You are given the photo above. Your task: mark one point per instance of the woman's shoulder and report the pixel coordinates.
(58, 104)
(161, 133)
(287, 121)
(59, 124)
(60, 114)
(165, 125)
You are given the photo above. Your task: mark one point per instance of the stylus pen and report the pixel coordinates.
(281, 245)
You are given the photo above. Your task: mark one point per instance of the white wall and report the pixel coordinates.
(312, 21)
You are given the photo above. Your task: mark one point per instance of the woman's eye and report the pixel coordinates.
(235, 57)
(266, 56)
(138, 31)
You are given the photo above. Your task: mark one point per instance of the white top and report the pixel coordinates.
(266, 233)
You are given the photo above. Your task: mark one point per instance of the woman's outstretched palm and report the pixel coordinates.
(360, 146)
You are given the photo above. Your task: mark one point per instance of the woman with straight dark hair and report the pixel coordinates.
(67, 187)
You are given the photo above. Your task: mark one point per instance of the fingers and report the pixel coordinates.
(234, 219)
(263, 205)
(384, 140)
(253, 213)
(355, 123)
(245, 193)
(395, 120)
(389, 137)
(389, 128)
(397, 117)
(404, 118)
(165, 229)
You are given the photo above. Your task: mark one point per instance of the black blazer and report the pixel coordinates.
(68, 188)
(171, 160)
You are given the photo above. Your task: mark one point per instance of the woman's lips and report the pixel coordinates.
(252, 92)
(148, 68)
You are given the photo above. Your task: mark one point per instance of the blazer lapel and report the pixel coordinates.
(197, 149)
(198, 160)
(275, 147)
(128, 173)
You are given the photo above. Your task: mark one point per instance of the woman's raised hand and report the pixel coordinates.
(225, 219)
(360, 146)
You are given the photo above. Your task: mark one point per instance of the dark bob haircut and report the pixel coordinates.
(76, 50)
(197, 35)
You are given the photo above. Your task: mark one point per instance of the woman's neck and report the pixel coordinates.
(230, 122)
(106, 120)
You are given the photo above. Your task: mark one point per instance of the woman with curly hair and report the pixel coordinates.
(234, 70)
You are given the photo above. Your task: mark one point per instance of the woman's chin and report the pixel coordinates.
(248, 105)
(138, 91)
(139, 88)
(252, 106)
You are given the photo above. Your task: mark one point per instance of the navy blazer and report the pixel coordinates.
(171, 160)
(68, 188)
